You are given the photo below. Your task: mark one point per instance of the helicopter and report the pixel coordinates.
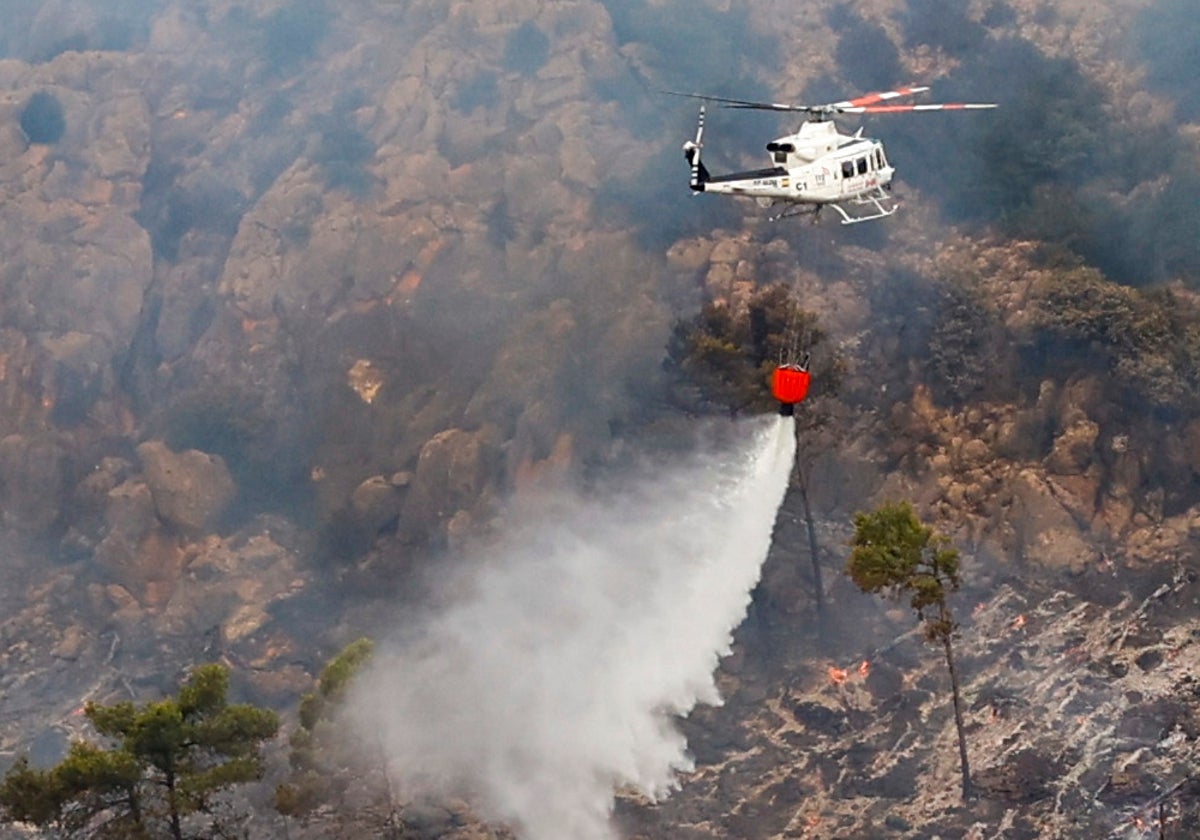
(817, 166)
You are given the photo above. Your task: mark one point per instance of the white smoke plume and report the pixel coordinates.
(556, 677)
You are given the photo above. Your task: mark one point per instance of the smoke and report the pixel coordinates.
(557, 675)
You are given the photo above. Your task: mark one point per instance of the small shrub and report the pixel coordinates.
(42, 118)
(866, 55)
(343, 154)
(1150, 340)
(292, 34)
(960, 364)
(527, 50)
(729, 356)
(479, 92)
(944, 24)
(1167, 35)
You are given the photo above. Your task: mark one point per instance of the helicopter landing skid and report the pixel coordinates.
(878, 205)
(795, 210)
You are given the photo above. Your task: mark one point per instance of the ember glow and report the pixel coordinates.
(840, 676)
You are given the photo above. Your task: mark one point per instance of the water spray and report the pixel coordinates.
(581, 636)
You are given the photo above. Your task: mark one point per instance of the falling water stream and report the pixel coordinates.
(558, 674)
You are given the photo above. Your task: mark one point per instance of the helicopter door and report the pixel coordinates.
(853, 172)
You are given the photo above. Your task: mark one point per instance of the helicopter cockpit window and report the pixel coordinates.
(847, 169)
(862, 166)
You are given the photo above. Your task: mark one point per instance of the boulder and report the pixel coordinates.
(690, 254)
(88, 275)
(190, 488)
(129, 511)
(33, 481)
(1046, 532)
(82, 374)
(971, 454)
(25, 372)
(453, 471)
(146, 566)
(1074, 449)
(374, 503)
(227, 588)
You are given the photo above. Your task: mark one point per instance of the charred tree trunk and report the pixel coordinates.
(393, 807)
(947, 629)
(173, 805)
(135, 807)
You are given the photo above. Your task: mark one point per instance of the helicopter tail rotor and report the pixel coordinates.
(691, 151)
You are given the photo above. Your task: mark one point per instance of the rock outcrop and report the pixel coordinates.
(294, 294)
(191, 489)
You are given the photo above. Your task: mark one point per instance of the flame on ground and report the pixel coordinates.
(839, 676)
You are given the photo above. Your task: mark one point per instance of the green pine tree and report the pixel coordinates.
(325, 760)
(166, 759)
(897, 555)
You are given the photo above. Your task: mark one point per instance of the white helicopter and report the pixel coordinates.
(817, 166)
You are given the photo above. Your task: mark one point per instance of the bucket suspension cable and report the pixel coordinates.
(789, 348)
(790, 381)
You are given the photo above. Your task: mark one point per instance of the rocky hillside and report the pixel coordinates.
(278, 278)
(1081, 721)
(292, 294)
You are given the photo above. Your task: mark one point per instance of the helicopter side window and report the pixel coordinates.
(847, 169)
(862, 166)
(879, 159)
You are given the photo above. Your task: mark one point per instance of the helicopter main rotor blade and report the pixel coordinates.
(896, 109)
(747, 103)
(872, 98)
(865, 104)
